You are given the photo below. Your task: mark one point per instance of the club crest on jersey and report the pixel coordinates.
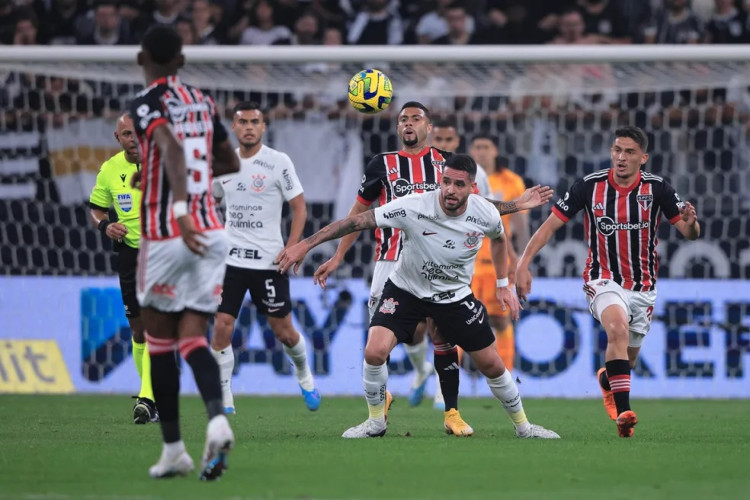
(125, 202)
(389, 306)
(645, 200)
(438, 164)
(258, 185)
(472, 239)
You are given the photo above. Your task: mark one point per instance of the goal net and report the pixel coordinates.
(552, 109)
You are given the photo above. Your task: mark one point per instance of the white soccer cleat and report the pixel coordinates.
(219, 442)
(537, 431)
(172, 464)
(367, 429)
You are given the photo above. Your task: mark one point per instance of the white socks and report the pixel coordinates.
(225, 360)
(374, 379)
(298, 354)
(417, 354)
(505, 389)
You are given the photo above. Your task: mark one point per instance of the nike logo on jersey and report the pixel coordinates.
(427, 233)
(225, 181)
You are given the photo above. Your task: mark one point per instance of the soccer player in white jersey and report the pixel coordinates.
(444, 230)
(254, 197)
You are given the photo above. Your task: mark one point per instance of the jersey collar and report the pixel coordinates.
(621, 189)
(165, 80)
(418, 155)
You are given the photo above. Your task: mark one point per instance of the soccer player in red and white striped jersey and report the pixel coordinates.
(622, 206)
(181, 262)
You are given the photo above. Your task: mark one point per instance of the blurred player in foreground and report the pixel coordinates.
(182, 261)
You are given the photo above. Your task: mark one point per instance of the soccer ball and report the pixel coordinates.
(370, 91)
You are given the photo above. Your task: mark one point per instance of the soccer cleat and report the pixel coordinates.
(144, 411)
(178, 464)
(388, 403)
(537, 431)
(455, 425)
(312, 398)
(229, 410)
(609, 398)
(219, 442)
(227, 397)
(367, 429)
(625, 423)
(420, 382)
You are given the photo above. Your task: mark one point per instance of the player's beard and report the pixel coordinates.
(249, 145)
(459, 204)
(411, 142)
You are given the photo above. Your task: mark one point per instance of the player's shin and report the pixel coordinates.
(298, 354)
(146, 386)
(225, 359)
(374, 380)
(165, 377)
(195, 351)
(618, 374)
(505, 390)
(446, 365)
(506, 347)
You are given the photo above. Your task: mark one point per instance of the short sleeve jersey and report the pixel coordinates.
(113, 188)
(621, 225)
(437, 262)
(192, 116)
(254, 197)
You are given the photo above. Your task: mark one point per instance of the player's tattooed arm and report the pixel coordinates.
(531, 198)
(359, 222)
(293, 256)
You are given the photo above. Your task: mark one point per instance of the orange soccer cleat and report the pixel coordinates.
(388, 403)
(455, 425)
(609, 398)
(625, 423)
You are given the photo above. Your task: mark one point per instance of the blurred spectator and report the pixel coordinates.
(305, 31)
(204, 24)
(434, 24)
(376, 24)
(329, 12)
(288, 11)
(263, 28)
(727, 25)
(27, 27)
(507, 22)
(62, 21)
(635, 14)
(333, 36)
(601, 18)
(571, 30)
(455, 16)
(674, 24)
(108, 27)
(186, 29)
(7, 22)
(166, 13)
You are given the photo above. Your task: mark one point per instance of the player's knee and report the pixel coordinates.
(375, 356)
(617, 331)
(223, 328)
(286, 333)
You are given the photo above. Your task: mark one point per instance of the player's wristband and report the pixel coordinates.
(502, 282)
(103, 226)
(179, 208)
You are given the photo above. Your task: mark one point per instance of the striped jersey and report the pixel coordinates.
(194, 121)
(392, 175)
(621, 225)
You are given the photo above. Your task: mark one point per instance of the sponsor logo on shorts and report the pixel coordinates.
(478, 317)
(389, 306)
(164, 289)
(270, 304)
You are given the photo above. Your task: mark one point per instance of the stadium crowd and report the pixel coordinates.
(376, 22)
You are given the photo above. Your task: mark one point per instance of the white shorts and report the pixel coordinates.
(171, 278)
(383, 269)
(639, 306)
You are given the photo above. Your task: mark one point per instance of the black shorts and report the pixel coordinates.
(464, 323)
(127, 265)
(269, 291)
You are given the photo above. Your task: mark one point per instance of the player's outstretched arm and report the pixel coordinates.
(536, 243)
(688, 224)
(499, 250)
(293, 256)
(176, 170)
(329, 266)
(531, 198)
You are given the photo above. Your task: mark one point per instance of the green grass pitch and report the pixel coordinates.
(85, 447)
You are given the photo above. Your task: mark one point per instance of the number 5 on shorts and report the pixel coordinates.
(271, 289)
